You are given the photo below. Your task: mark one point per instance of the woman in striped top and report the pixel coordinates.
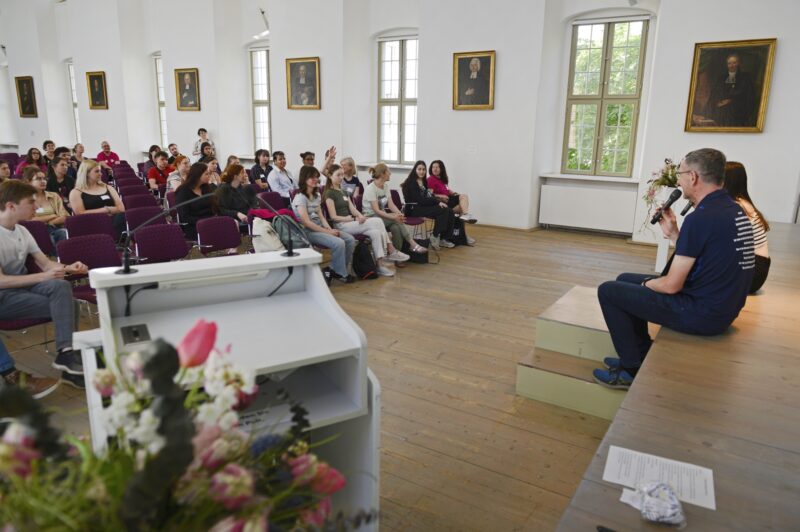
(736, 185)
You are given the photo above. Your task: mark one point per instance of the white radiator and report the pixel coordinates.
(580, 203)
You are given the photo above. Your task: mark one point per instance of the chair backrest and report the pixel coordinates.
(135, 190)
(161, 243)
(170, 199)
(135, 217)
(142, 200)
(273, 199)
(11, 158)
(217, 233)
(42, 236)
(94, 223)
(95, 251)
(128, 182)
(358, 202)
(396, 199)
(140, 166)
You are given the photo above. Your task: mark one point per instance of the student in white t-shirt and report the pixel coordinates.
(378, 202)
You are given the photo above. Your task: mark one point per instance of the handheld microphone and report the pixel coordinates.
(675, 196)
(126, 257)
(289, 244)
(686, 209)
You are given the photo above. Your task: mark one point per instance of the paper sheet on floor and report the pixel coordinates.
(693, 484)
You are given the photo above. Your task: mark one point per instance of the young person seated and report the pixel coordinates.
(307, 208)
(420, 202)
(49, 206)
(62, 152)
(158, 175)
(59, 181)
(705, 287)
(108, 158)
(196, 185)
(35, 295)
(213, 172)
(197, 151)
(151, 158)
(232, 159)
(33, 157)
(176, 178)
(234, 196)
(280, 179)
(173, 153)
(736, 185)
(260, 171)
(5, 170)
(92, 195)
(206, 152)
(350, 183)
(345, 217)
(77, 156)
(49, 148)
(378, 203)
(440, 184)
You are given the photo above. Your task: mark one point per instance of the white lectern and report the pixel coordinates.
(298, 337)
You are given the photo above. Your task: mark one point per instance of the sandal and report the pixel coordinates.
(419, 249)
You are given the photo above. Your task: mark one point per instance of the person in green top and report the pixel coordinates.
(345, 217)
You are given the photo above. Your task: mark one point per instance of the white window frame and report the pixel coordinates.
(73, 97)
(161, 96)
(401, 101)
(604, 99)
(260, 104)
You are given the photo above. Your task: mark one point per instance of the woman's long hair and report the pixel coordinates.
(736, 185)
(442, 171)
(230, 172)
(329, 183)
(411, 180)
(82, 182)
(306, 173)
(29, 156)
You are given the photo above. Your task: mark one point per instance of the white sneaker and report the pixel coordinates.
(435, 242)
(470, 241)
(397, 256)
(384, 271)
(468, 218)
(446, 243)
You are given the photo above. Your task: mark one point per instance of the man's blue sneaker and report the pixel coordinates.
(616, 379)
(612, 363)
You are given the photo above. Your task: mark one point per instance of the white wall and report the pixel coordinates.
(8, 109)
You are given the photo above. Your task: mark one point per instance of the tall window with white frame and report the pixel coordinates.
(397, 100)
(74, 100)
(605, 86)
(259, 69)
(162, 103)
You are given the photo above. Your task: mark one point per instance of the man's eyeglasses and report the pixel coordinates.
(684, 172)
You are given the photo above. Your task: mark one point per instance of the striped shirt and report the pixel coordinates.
(759, 232)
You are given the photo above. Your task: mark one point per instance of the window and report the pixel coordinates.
(74, 100)
(259, 68)
(397, 100)
(162, 104)
(605, 82)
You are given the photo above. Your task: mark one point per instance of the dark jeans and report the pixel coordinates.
(628, 307)
(760, 273)
(48, 299)
(442, 217)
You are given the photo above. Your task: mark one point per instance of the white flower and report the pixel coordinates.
(116, 414)
(228, 420)
(209, 413)
(145, 432)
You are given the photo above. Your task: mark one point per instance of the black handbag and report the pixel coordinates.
(458, 234)
(417, 258)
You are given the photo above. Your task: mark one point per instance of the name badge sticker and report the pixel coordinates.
(105, 197)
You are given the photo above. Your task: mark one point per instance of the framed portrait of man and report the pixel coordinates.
(187, 89)
(730, 86)
(98, 95)
(302, 83)
(26, 97)
(473, 80)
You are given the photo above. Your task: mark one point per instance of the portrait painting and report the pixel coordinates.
(98, 96)
(302, 83)
(187, 89)
(730, 86)
(26, 97)
(473, 80)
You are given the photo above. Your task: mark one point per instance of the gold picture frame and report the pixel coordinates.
(187, 89)
(473, 81)
(26, 97)
(303, 83)
(96, 87)
(729, 87)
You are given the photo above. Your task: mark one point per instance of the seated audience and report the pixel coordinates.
(196, 185)
(232, 159)
(279, 179)
(350, 183)
(345, 217)
(49, 152)
(234, 197)
(151, 161)
(421, 202)
(213, 169)
(59, 181)
(77, 156)
(307, 209)
(736, 185)
(207, 153)
(177, 177)
(706, 285)
(173, 151)
(198, 144)
(33, 157)
(49, 206)
(439, 183)
(62, 152)
(35, 295)
(5, 170)
(157, 175)
(108, 158)
(260, 171)
(378, 203)
(92, 195)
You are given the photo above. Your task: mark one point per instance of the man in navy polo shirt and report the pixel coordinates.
(706, 285)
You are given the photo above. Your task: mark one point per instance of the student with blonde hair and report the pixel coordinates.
(378, 203)
(92, 195)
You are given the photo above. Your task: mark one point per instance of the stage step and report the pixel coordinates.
(566, 380)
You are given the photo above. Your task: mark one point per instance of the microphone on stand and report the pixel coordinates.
(675, 196)
(289, 244)
(687, 208)
(126, 257)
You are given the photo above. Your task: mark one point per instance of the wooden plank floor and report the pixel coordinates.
(460, 451)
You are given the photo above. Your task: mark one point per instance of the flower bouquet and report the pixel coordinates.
(665, 177)
(175, 457)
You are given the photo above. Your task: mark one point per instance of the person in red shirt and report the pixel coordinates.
(107, 156)
(439, 183)
(157, 175)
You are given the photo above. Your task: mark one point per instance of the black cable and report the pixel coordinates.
(129, 296)
(291, 269)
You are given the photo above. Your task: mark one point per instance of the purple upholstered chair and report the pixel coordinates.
(273, 199)
(140, 166)
(135, 217)
(217, 233)
(128, 182)
(42, 236)
(95, 251)
(134, 202)
(420, 229)
(161, 243)
(134, 190)
(93, 223)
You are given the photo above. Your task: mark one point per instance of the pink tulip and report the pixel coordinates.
(328, 480)
(197, 344)
(17, 451)
(232, 486)
(317, 515)
(304, 468)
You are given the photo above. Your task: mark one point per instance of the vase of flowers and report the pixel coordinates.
(175, 459)
(663, 179)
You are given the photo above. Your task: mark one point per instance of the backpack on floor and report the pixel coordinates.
(285, 233)
(418, 258)
(363, 264)
(458, 234)
(265, 238)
